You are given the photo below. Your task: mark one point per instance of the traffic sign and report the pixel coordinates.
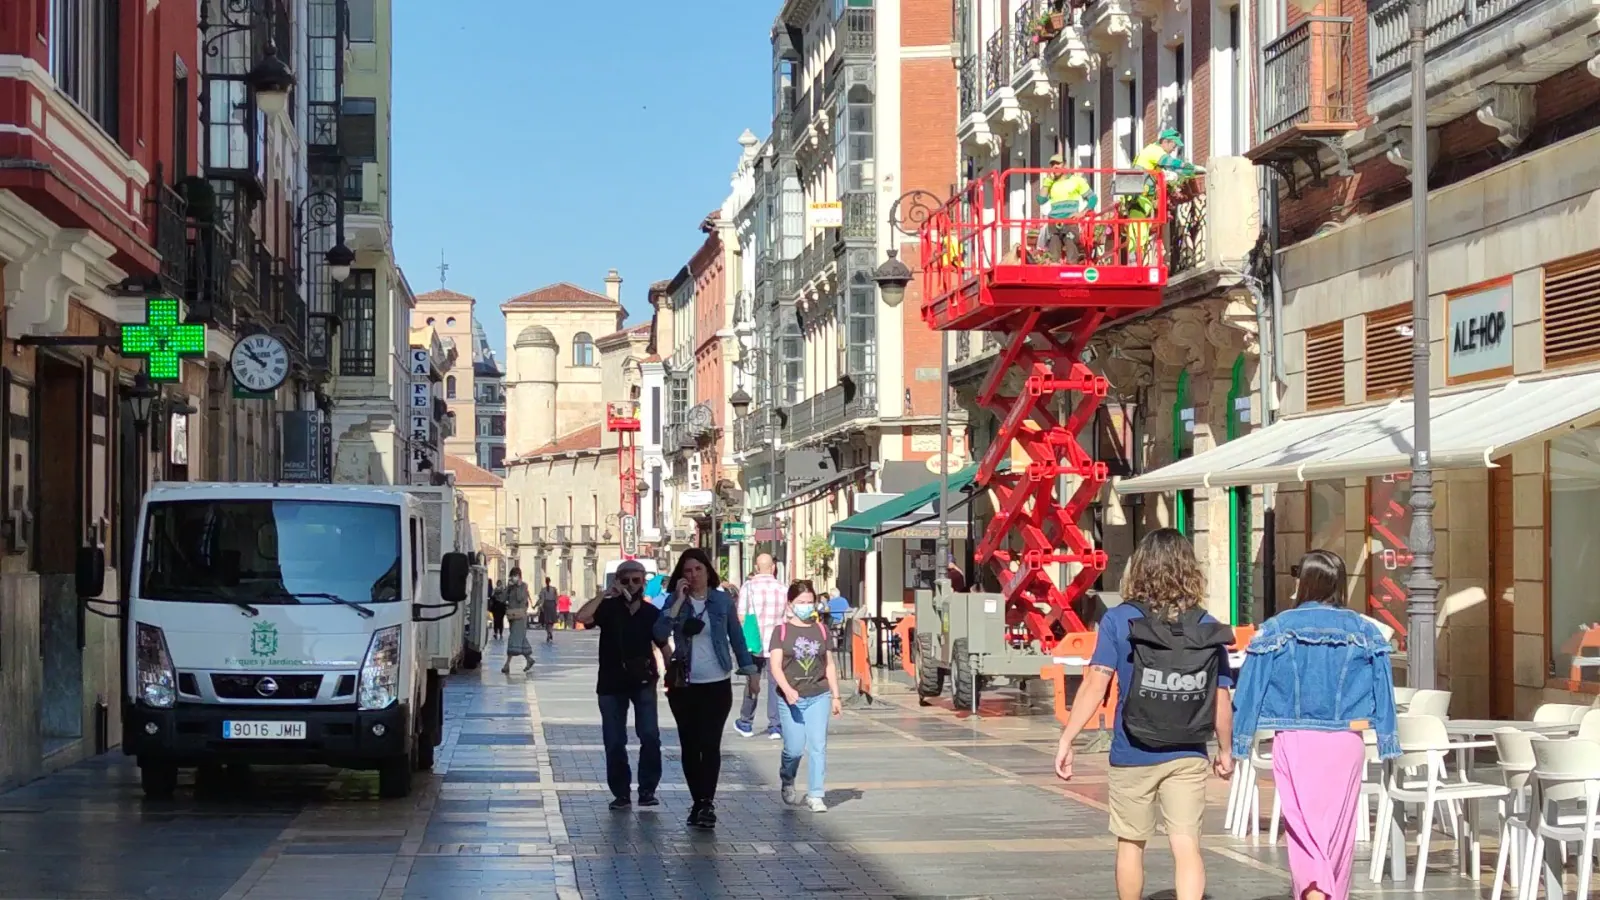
(733, 532)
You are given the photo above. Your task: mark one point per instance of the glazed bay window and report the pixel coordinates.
(85, 54)
(358, 307)
(1574, 561)
(677, 400)
(861, 327)
(794, 365)
(358, 142)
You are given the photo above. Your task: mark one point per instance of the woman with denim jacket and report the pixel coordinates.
(1318, 675)
(707, 647)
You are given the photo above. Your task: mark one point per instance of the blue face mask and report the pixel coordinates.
(804, 610)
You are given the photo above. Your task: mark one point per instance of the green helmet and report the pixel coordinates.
(1171, 134)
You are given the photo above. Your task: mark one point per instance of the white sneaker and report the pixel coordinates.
(816, 805)
(789, 795)
(774, 735)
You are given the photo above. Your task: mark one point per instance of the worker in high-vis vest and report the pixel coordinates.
(1068, 200)
(1160, 156)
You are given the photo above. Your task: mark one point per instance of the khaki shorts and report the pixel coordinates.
(1179, 785)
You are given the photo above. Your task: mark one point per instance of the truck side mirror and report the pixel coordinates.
(453, 571)
(91, 572)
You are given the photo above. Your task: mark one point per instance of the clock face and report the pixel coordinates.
(260, 363)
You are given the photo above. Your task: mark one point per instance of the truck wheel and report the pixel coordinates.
(930, 678)
(394, 778)
(158, 780)
(964, 685)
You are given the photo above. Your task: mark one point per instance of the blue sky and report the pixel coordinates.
(537, 142)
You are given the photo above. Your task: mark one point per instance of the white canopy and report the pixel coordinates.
(1470, 428)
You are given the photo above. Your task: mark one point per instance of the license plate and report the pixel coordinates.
(264, 731)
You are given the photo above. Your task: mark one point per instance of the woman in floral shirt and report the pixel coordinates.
(803, 670)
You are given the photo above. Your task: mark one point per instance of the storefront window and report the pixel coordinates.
(1389, 551)
(1326, 525)
(1574, 564)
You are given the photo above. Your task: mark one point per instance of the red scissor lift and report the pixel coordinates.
(984, 269)
(623, 421)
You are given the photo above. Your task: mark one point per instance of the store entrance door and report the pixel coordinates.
(1502, 591)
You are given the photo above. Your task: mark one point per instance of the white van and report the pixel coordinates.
(283, 624)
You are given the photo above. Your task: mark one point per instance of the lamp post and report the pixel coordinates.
(270, 79)
(1421, 587)
(906, 216)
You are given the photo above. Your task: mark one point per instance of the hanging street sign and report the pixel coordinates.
(421, 395)
(163, 340)
(630, 536)
(419, 362)
(733, 532)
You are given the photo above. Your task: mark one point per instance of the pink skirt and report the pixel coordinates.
(1317, 775)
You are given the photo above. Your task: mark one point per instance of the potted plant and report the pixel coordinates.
(819, 557)
(199, 198)
(1047, 26)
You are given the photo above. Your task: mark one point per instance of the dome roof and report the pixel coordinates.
(536, 336)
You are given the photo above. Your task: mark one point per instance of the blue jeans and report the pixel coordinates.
(614, 731)
(747, 707)
(805, 730)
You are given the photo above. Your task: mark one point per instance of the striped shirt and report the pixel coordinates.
(766, 598)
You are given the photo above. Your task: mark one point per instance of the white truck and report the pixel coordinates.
(288, 624)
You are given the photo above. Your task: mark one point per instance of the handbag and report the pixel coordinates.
(677, 675)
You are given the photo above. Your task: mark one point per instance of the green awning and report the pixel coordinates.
(857, 532)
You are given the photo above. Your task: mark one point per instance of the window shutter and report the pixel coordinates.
(1571, 309)
(1325, 366)
(1388, 353)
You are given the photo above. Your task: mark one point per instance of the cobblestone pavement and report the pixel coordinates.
(924, 805)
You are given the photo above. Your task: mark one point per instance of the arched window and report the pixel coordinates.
(582, 349)
(450, 387)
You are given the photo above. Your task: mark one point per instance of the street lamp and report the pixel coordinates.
(142, 400)
(906, 216)
(1422, 589)
(740, 401)
(339, 259)
(271, 80)
(892, 278)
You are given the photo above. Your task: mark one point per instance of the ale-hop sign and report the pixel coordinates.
(1478, 334)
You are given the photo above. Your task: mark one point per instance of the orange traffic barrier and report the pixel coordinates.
(859, 663)
(1242, 636)
(908, 656)
(1056, 673)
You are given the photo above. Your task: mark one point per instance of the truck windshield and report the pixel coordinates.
(271, 551)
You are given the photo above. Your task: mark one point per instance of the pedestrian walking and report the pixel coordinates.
(1159, 754)
(564, 612)
(517, 613)
(1318, 676)
(497, 609)
(762, 606)
(707, 648)
(808, 680)
(627, 677)
(549, 602)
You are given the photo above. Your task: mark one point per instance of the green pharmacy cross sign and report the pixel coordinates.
(163, 340)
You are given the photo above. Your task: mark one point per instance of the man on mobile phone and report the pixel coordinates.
(628, 672)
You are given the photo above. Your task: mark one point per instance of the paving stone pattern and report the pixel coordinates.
(924, 804)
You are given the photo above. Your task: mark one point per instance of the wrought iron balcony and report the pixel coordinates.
(967, 86)
(588, 534)
(1306, 75)
(1186, 227)
(169, 231)
(209, 287)
(1025, 45)
(996, 64)
(832, 409)
(860, 211)
(536, 534)
(754, 429)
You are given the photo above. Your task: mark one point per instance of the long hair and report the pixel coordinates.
(713, 580)
(1164, 575)
(1322, 579)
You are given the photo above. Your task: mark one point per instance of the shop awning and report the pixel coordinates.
(857, 532)
(1470, 428)
(812, 491)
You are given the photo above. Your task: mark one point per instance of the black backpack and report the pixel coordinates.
(1172, 700)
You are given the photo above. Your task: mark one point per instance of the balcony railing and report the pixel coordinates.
(996, 64)
(860, 211)
(1024, 48)
(588, 534)
(854, 37)
(1306, 77)
(802, 118)
(752, 430)
(1186, 227)
(1389, 28)
(208, 288)
(830, 409)
(169, 229)
(967, 85)
(563, 534)
(536, 534)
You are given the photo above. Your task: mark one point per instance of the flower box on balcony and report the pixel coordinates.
(1048, 26)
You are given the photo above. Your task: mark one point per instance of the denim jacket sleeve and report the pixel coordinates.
(662, 629)
(1383, 695)
(1251, 689)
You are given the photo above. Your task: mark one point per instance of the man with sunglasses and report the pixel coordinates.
(628, 674)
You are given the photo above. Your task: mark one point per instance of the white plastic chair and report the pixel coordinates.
(1517, 761)
(1371, 787)
(1560, 714)
(1564, 772)
(1425, 746)
(1589, 726)
(1430, 703)
(1245, 795)
(1403, 695)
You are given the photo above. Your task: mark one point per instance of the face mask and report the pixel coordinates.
(804, 610)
